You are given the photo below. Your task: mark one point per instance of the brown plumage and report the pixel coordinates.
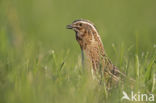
(92, 47)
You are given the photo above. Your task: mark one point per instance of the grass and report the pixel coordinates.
(40, 61)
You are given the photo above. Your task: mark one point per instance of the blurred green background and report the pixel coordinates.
(44, 21)
(30, 30)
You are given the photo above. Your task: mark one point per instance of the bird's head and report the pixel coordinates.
(85, 31)
(82, 26)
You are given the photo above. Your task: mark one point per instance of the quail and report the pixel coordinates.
(92, 48)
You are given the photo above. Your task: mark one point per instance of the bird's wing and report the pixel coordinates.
(117, 71)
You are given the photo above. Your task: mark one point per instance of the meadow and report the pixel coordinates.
(40, 60)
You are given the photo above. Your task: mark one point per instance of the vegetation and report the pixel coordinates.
(40, 60)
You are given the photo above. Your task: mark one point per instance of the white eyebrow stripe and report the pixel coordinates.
(89, 24)
(92, 27)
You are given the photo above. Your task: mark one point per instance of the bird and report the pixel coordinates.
(92, 48)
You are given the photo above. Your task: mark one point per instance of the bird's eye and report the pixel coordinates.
(80, 24)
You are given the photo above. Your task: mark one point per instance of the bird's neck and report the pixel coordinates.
(83, 40)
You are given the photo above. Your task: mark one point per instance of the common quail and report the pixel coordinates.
(92, 47)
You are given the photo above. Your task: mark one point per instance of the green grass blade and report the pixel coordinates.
(137, 65)
(148, 73)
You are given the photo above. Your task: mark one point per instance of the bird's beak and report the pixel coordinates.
(69, 26)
